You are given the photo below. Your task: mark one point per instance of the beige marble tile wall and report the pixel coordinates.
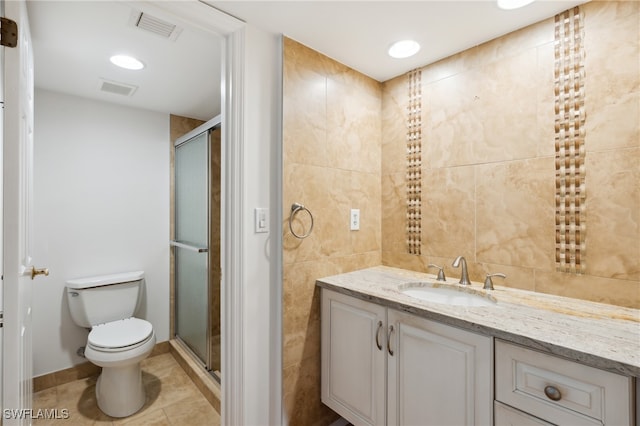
(488, 160)
(332, 148)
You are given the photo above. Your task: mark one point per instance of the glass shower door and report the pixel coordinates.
(191, 244)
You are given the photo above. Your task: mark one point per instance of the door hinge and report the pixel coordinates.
(8, 32)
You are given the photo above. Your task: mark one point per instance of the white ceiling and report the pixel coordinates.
(359, 33)
(73, 41)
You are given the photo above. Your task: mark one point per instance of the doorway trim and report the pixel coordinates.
(236, 387)
(231, 235)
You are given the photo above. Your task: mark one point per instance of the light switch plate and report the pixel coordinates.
(261, 220)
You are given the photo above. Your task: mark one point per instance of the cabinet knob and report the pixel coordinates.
(553, 393)
(378, 336)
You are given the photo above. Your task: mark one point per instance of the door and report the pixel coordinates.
(192, 244)
(17, 221)
(438, 374)
(353, 358)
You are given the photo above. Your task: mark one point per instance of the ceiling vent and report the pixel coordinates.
(155, 25)
(117, 88)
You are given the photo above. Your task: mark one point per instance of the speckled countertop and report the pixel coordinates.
(596, 334)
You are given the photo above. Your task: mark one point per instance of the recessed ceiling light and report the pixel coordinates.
(127, 62)
(403, 49)
(513, 4)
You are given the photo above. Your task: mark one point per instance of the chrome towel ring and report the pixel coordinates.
(295, 208)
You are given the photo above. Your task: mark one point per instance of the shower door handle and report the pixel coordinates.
(187, 246)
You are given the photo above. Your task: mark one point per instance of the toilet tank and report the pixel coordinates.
(104, 298)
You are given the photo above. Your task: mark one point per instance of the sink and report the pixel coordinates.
(447, 294)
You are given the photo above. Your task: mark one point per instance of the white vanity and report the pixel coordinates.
(392, 358)
(532, 387)
(377, 364)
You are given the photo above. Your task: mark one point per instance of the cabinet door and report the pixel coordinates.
(353, 358)
(438, 374)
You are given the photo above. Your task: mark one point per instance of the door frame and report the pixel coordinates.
(251, 176)
(252, 393)
(251, 311)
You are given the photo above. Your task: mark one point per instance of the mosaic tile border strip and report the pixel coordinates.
(569, 141)
(414, 163)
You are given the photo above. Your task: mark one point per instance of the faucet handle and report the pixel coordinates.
(488, 284)
(441, 276)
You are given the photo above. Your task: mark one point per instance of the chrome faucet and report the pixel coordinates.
(441, 276)
(464, 277)
(488, 283)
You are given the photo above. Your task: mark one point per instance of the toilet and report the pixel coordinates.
(117, 341)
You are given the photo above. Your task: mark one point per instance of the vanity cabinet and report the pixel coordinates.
(381, 366)
(354, 358)
(557, 390)
(437, 374)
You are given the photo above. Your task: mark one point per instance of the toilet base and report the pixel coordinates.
(119, 390)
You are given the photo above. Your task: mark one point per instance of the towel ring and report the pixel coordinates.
(295, 208)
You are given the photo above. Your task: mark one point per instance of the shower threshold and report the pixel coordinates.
(203, 378)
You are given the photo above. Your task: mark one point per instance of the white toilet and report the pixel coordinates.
(117, 341)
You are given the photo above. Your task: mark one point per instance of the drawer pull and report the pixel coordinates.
(378, 336)
(553, 393)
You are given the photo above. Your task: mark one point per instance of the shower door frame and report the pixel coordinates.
(208, 127)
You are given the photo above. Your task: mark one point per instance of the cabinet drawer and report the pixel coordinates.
(507, 416)
(560, 391)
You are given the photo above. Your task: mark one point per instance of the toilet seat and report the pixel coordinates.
(120, 335)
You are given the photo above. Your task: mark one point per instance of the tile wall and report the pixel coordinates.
(488, 160)
(332, 148)
(488, 177)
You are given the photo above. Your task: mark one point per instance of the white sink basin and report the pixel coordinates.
(449, 295)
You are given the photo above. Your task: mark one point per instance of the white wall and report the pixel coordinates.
(262, 187)
(101, 191)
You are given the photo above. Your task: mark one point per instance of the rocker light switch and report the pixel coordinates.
(262, 220)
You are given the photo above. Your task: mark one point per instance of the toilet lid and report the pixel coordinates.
(120, 333)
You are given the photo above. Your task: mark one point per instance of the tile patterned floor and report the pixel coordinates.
(172, 399)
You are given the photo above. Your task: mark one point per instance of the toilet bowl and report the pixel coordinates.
(118, 347)
(117, 342)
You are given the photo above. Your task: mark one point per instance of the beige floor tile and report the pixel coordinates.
(68, 393)
(146, 418)
(195, 411)
(172, 399)
(158, 363)
(46, 399)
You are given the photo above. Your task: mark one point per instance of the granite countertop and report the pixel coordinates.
(596, 334)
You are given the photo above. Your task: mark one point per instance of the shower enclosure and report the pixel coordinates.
(196, 243)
